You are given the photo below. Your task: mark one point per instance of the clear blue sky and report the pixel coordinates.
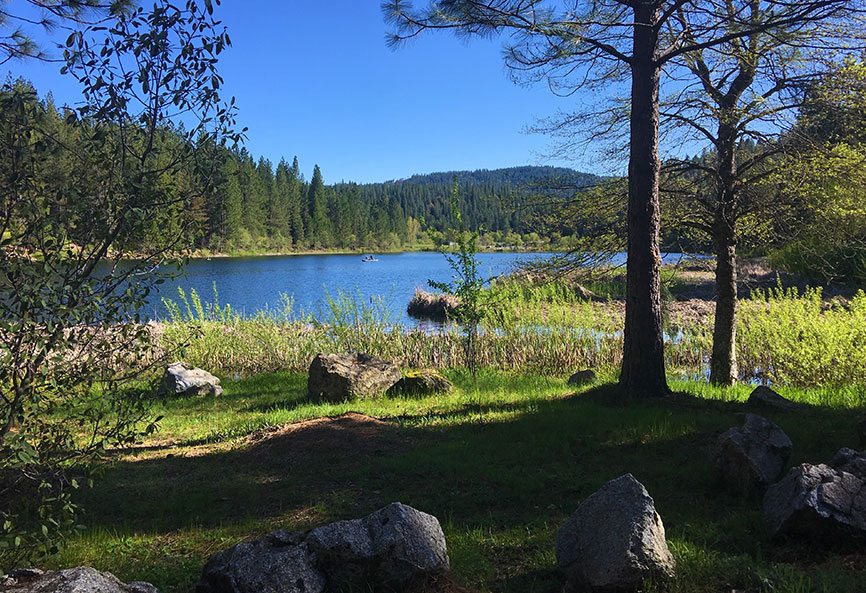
(317, 80)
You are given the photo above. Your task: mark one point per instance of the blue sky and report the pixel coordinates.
(317, 80)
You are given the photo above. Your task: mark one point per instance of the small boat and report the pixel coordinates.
(368, 259)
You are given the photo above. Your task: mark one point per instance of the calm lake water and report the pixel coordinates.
(252, 284)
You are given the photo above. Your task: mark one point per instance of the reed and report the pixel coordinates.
(785, 337)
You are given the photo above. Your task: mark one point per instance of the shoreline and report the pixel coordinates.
(205, 256)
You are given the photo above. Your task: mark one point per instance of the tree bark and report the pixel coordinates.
(643, 369)
(723, 362)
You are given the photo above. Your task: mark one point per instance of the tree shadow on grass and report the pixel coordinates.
(526, 471)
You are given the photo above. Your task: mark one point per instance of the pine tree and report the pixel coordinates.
(279, 227)
(317, 200)
(296, 205)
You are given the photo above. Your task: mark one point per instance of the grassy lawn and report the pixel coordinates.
(501, 463)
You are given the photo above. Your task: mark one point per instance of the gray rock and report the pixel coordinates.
(344, 552)
(752, 456)
(184, 379)
(422, 382)
(818, 503)
(580, 378)
(278, 563)
(340, 377)
(408, 544)
(615, 540)
(764, 397)
(73, 580)
(851, 461)
(392, 548)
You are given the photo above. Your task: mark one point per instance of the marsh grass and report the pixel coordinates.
(785, 337)
(501, 461)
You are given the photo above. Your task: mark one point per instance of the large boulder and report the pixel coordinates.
(819, 504)
(409, 545)
(615, 540)
(422, 382)
(851, 461)
(184, 379)
(752, 456)
(278, 563)
(73, 580)
(580, 378)
(339, 377)
(764, 397)
(390, 549)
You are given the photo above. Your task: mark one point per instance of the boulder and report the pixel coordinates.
(580, 378)
(344, 551)
(851, 461)
(339, 377)
(409, 545)
(184, 379)
(818, 503)
(278, 563)
(422, 382)
(615, 540)
(764, 397)
(390, 549)
(752, 456)
(73, 580)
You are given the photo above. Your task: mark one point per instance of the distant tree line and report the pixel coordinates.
(251, 205)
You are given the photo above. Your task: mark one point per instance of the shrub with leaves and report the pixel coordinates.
(81, 191)
(467, 284)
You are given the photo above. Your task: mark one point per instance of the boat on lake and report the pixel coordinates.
(368, 259)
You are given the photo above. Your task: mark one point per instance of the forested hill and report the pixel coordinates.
(493, 200)
(518, 177)
(230, 201)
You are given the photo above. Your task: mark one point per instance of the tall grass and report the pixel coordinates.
(799, 339)
(784, 337)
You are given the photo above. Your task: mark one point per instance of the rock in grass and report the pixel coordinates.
(278, 563)
(340, 377)
(391, 549)
(421, 382)
(580, 378)
(764, 397)
(184, 379)
(73, 580)
(851, 461)
(409, 546)
(819, 504)
(615, 540)
(752, 456)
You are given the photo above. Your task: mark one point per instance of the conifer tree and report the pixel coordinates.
(295, 205)
(317, 199)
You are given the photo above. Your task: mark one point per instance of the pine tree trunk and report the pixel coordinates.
(723, 362)
(643, 370)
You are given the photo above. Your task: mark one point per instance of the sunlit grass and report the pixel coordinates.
(502, 461)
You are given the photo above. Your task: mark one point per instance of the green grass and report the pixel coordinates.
(501, 462)
(783, 337)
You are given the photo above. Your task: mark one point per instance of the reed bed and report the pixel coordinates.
(784, 337)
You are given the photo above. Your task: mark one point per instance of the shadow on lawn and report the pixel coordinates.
(527, 472)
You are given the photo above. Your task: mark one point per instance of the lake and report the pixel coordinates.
(251, 284)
